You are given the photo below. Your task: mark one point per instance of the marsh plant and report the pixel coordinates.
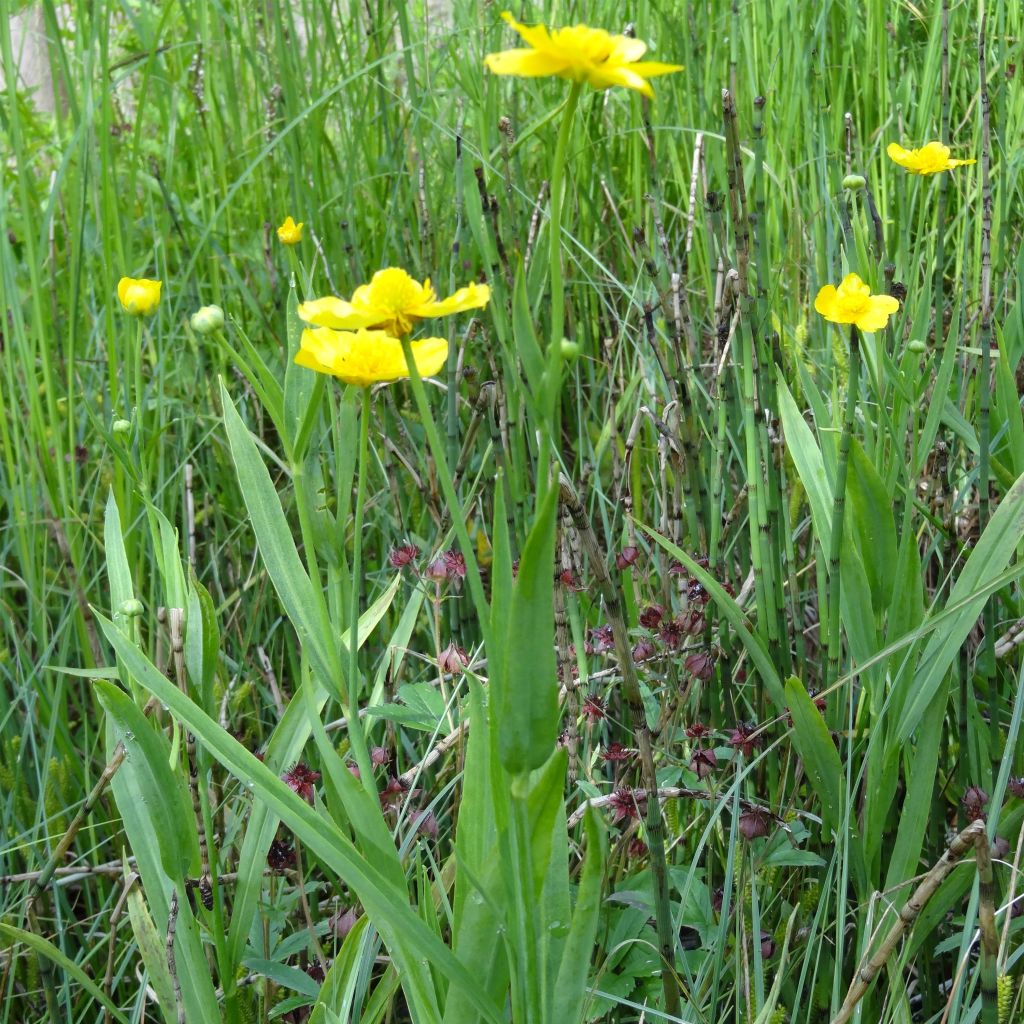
(512, 517)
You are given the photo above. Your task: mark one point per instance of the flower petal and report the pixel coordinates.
(525, 63)
(604, 76)
(473, 296)
(333, 312)
(653, 68)
(430, 355)
(826, 300)
(537, 35)
(876, 316)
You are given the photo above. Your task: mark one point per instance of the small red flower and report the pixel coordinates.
(455, 564)
(697, 731)
(395, 792)
(643, 650)
(755, 822)
(974, 803)
(569, 580)
(744, 737)
(280, 856)
(1016, 786)
(594, 708)
(625, 805)
(452, 659)
(627, 556)
(403, 556)
(379, 756)
(437, 570)
(703, 762)
(671, 634)
(617, 752)
(636, 849)
(426, 824)
(767, 945)
(301, 779)
(651, 616)
(343, 921)
(700, 664)
(601, 638)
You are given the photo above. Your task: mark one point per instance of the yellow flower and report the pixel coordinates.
(393, 302)
(290, 233)
(853, 303)
(139, 296)
(365, 357)
(581, 54)
(929, 159)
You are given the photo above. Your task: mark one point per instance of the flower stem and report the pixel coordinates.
(357, 739)
(839, 511)
(557, 176)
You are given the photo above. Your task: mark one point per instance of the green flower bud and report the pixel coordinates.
(132, 608)
(854, 182)
(207, 319)
(916, 346)
(122, 426)
(570, 349)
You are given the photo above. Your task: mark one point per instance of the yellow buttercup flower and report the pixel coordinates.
(581, 54)
(139, 296)
(290, 233)
(392, 302)
(365, 357)
(853, 303)
(929, 159)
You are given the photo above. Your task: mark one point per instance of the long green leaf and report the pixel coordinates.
(412, 944)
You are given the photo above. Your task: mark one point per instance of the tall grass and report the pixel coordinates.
(677, 459)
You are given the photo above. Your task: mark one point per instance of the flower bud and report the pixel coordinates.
(917, 346)
(121, 426)
(854, 182)
(132, 608)
(207, 319)
(570, 349)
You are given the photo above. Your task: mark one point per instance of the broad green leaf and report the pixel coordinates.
(164, 799)
(119, 576)
(410, 942)
(285, 748)
(303, 602)
(571, 988)
(920, 766)
(524, 695)
(334, 1002)
(813, 743)
(872, 528)
(153, 950)
(202, 639)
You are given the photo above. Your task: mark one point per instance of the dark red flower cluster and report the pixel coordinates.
(594, 708)
(402, 556)
(301, 779)
(626, 804)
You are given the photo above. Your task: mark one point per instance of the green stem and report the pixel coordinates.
(357, 738)
(839, 511)
(557, 176)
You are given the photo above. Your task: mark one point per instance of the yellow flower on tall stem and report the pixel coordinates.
(290, 233)
(139, 296)
(853, 303)
(363, 358)
(581, 54)
(393, 302)
(929, 159)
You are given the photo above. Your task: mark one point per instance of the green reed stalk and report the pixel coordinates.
(839, 512)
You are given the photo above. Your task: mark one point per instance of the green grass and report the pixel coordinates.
(699, 426)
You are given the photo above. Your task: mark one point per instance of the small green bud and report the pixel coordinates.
(854, 182)
(207, 319)
(916, 346)
(132, 608)
(122, 426)
(570, 349)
